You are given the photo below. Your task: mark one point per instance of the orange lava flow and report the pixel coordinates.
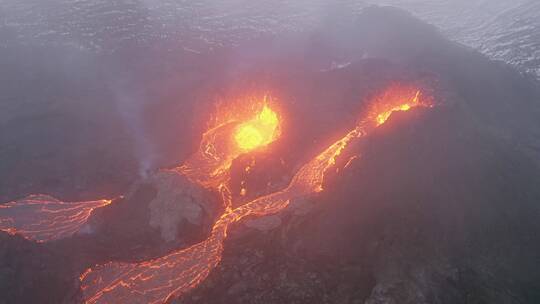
(160, 280)
(397, 98)
(43, 218)
(383, 117)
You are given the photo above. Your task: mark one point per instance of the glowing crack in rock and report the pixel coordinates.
(160, 280)
(43, 218)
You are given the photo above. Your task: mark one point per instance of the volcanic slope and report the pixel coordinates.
(442, 207)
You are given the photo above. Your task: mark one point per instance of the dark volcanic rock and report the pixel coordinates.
(440, 208)
(157, 216)
(435, 211)
(180, 203)
(30, 273)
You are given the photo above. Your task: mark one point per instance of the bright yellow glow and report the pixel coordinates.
(259, 131)
(248, 137)
(268, 117)
(383, 117)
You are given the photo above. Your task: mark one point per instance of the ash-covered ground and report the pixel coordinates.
(440, 207)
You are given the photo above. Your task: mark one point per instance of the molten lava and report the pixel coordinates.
(397, 98)
(239, 133)
(383, 117)
(159, 280)
(260, 131)
(43, 218)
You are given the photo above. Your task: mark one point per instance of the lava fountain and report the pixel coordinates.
(236, 132)
(159, 280)
(259, 131)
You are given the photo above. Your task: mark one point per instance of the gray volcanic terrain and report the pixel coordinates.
(439, 205)
(99, 52)
(503, 30)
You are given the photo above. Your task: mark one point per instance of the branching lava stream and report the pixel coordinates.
(159, 280)
(43, 218)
